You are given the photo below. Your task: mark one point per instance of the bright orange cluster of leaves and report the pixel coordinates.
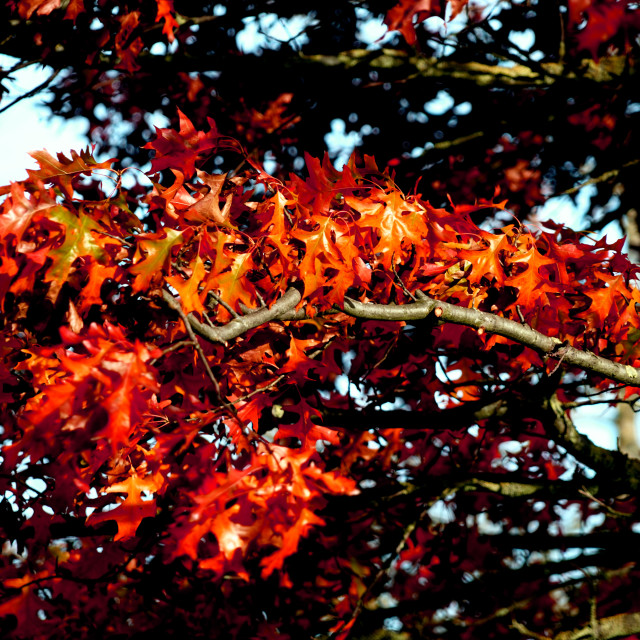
(122, 415)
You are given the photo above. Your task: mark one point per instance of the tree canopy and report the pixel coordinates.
(262, 391)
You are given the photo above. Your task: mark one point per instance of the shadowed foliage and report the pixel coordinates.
(264, 391)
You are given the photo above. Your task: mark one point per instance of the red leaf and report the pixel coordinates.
(127, 47)
(182, 149)
(400, 17)
(166, 12)
(290, 535)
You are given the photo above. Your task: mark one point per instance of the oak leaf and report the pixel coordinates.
(207, 209)
(400, 17)
(181, 149)
(289, 534)
(189, 289)
(153, 253)
(63, 171)
(129, 512)
(81, 238)
(166, 13)
(19, 209)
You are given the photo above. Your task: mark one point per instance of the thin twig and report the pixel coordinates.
(404, 288)
(384, 569)
(177, 307)
(586, 403)
(222, 303)
(526, 632)
(33, 91)
(610, 510)
(607, 175)
(22, 65)
(258, 390)
(110, 235)
(229, 407)
(173, 347)
(205, 315)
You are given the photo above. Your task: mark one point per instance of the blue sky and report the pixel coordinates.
(27, 126)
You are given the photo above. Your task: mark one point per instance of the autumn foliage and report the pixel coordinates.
(241, 403)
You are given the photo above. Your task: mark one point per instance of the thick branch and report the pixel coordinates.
(450, 419)
(283, 309)
(605, 70)
(491, 323)
(544, 541)
(612, 464)
(620, 626)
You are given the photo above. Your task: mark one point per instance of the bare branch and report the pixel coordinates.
(176, 306)
(283, 309)
(620, 626)
(491, 323)
(403, 65)
(612, 464)
(32, 92)
(447, 419)
(526, 602)
(608, 175)
(526, 632)
(222, 303)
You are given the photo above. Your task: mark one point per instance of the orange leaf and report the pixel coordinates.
(290, 538)
(400, 17)
(188, 289)
(165, 12)
(19, 209)
(208, 209)
(130, 511)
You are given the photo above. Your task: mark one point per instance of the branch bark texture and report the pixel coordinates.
(283, 309)
(412, 66)
(620, 626)
(491, 323)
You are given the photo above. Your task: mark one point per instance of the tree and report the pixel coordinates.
(250, 403)
(536, 116)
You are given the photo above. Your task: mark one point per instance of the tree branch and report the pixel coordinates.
(605, 70)
(448, 419)
(612, 464)
(489, 322)
(283, 309)
(544, 541)
(526, 632)
(187, 325)
(525, 603)
(503, 584)
(607, 175)
(620, 626)
(32, 92)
